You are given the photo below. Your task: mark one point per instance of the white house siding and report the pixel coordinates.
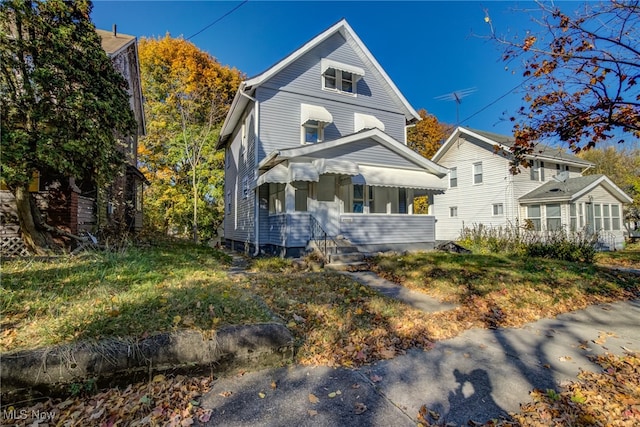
(473, 201)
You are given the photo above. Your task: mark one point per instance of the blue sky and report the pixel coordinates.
(428, 48)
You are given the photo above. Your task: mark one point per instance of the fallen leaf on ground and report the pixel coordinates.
(359, 408)
(262, 395)
(225, 393)
(376, 378)
(312, 412)
(274, 385)
(313, 398)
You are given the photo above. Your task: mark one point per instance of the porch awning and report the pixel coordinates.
(278, 174)
(328, 63)
(401, 178)
(303, 172)
(314, 113)
(340, 167)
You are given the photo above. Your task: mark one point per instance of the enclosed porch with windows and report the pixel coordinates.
(371, 207)
(588, 206)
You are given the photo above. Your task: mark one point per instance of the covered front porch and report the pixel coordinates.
(371, 207)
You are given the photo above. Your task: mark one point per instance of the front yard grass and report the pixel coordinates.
(505, 290)
(107, 294)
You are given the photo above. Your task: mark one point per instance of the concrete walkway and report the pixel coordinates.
(479, 375)
(415, 299)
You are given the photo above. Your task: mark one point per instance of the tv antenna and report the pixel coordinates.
(457, 97)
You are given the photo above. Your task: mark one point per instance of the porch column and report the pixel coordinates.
(410, 201)
(289, 198)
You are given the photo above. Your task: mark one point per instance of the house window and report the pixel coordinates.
(453, 177)
(340, 77)
(562, 168)
(477, 173)
(229, 202)
(537, 171)
(533, 216)
(358, 198)
(245, 187)
(326, 188)
(313, 132)
(498, 209)
(573, 217)
(606, 218)
(276, 198)
(615, 217)
(597, 217)
(372, 205)
(453, 211)
(341, 81)
(302, 194)
(243, 141)
(554, 220)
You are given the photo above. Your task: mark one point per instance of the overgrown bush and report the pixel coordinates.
(523, 240)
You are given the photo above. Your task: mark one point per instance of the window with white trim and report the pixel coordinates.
(313, 132)
(477, 173)
(606, 218)
(615, 217)
(537, 171)
(498, 209)
(453, 211)
(597, 216)
(573, 217)
(554, 218)
(533, 216)
(340, 77)
(358, 198)
(453, 177)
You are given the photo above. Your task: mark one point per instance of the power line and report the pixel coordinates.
(218, 20)
(496, 100)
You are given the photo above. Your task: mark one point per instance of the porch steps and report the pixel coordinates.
(342, 254)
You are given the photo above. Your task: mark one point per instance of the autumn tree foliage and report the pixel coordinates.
(582, 70)
(187, 95)
(622, 165)
(425, 138)
(62, 104)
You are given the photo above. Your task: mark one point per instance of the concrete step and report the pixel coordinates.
(343, 266)
(346, 257)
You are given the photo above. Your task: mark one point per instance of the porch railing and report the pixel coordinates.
(326, 244)
(606, 241)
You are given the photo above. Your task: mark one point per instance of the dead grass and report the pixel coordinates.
(629, 257)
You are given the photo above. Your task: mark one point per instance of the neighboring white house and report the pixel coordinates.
(316, 145)
(552, 193)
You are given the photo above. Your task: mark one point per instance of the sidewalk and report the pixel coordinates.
(479, 375)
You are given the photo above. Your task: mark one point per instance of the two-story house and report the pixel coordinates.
(550, 195)
(76, 204)
(316, 145)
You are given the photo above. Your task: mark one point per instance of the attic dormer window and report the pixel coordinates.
(340, 77)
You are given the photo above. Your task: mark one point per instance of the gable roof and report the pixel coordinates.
(113, 44)
(375, 134)
(504, 142)
(247, 87)
(573, 188)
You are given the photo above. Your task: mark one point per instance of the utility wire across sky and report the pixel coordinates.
(217, 20)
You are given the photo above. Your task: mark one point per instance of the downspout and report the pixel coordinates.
(256, 201)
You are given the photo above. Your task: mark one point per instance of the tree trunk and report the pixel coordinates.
(195, 207)
(36, 240)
